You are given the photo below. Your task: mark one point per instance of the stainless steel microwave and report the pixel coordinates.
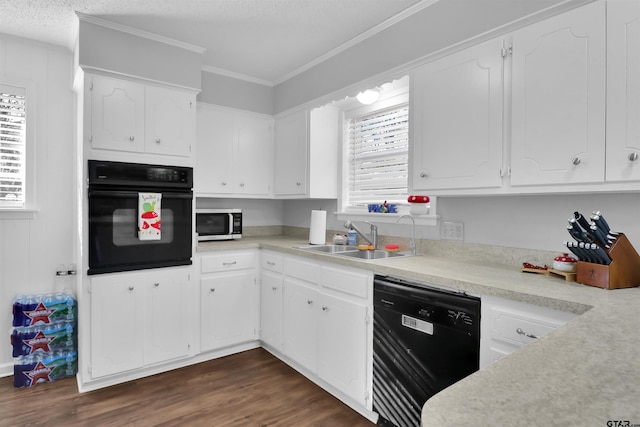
(218, 224)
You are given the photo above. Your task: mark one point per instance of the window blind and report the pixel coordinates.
(378, 157)
(13, 123)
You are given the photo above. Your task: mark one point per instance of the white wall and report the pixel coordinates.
(526, 222)
(234, 93)
(107, 49)
(32, 249)
(255, 213)
(538, 222)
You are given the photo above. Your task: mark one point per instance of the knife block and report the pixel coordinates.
(623, 272)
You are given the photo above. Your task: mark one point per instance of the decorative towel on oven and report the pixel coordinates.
(149, 216)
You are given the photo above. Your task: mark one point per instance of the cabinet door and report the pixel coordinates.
(117, 114)
(228, 309)
(342, 345)
(116, 324)
(214, 151)
(623, 90)
(170, 118)
(456, 120)
(166, 316)
(558, 99)
(271, 309)
(291, 154)
(300, 323)
(254, 155)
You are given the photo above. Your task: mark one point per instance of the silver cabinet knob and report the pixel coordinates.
(298, 183)
(309, 301)
(423, 174)
(633, 157)
(274, 288)
(224, 182)
(226, 264)
(575, 161)
(131, 138)
(157, 140)
(242, 184)
(131, 288)
(325, 308)
(156, 284)
(212, 290)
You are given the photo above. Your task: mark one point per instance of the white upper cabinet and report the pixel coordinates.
(456, 120)
(306, 153)
(130, 117)
(214, 151)
(170, 121)
(291, 148)
(234, 153)
(558, 99)
(117, 114)
(623, 90)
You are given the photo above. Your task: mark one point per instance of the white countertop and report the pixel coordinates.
(584, 373)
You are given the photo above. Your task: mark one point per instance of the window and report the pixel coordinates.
(13, 120)
(377, 157)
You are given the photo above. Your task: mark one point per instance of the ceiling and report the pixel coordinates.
(266, 41)
(262, 40)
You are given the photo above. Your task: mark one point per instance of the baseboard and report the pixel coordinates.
(6, 369)
(91, 385)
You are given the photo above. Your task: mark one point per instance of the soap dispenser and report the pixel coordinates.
(352, 237)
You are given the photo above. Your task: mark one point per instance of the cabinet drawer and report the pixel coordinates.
(227, 261)
(272, 261)
(518, 329)
(347, 281)
(305, 270)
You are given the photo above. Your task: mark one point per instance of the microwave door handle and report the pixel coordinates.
(230, 232)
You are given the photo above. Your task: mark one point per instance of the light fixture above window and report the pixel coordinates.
(368, 97)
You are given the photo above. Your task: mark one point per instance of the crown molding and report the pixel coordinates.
(238, 76)
(358, 39)
(140, 33)
(333, 52)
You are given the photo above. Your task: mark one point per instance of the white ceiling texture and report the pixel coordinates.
(266, 41)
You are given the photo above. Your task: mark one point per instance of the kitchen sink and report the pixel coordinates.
(377, 254)
(329, 249)
(351, 251)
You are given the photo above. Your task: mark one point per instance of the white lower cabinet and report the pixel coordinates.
(271, 289)
(342, 345)
(325, 330)
(138, 319)
(228, 299)
(509, 325)
(300, 313)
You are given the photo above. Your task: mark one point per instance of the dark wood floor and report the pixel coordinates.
(252, 388)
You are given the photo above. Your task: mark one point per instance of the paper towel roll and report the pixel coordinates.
(318, 228)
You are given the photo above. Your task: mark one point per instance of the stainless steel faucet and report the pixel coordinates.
(372, 240)
(412, 244)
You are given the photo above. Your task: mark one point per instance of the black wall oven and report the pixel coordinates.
(115, 211)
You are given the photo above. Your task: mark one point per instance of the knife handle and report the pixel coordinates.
(600, 238)
(573, 250)
(605, 224)
(582, 221)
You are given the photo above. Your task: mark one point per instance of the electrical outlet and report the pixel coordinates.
(452, 231)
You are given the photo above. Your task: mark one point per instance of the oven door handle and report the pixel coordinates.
(120, 193)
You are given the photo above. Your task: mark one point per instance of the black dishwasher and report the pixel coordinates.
(424, 340)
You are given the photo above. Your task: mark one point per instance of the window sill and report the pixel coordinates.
(18, 213)
(386, 217)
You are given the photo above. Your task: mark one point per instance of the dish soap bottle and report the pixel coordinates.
(352, 237)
